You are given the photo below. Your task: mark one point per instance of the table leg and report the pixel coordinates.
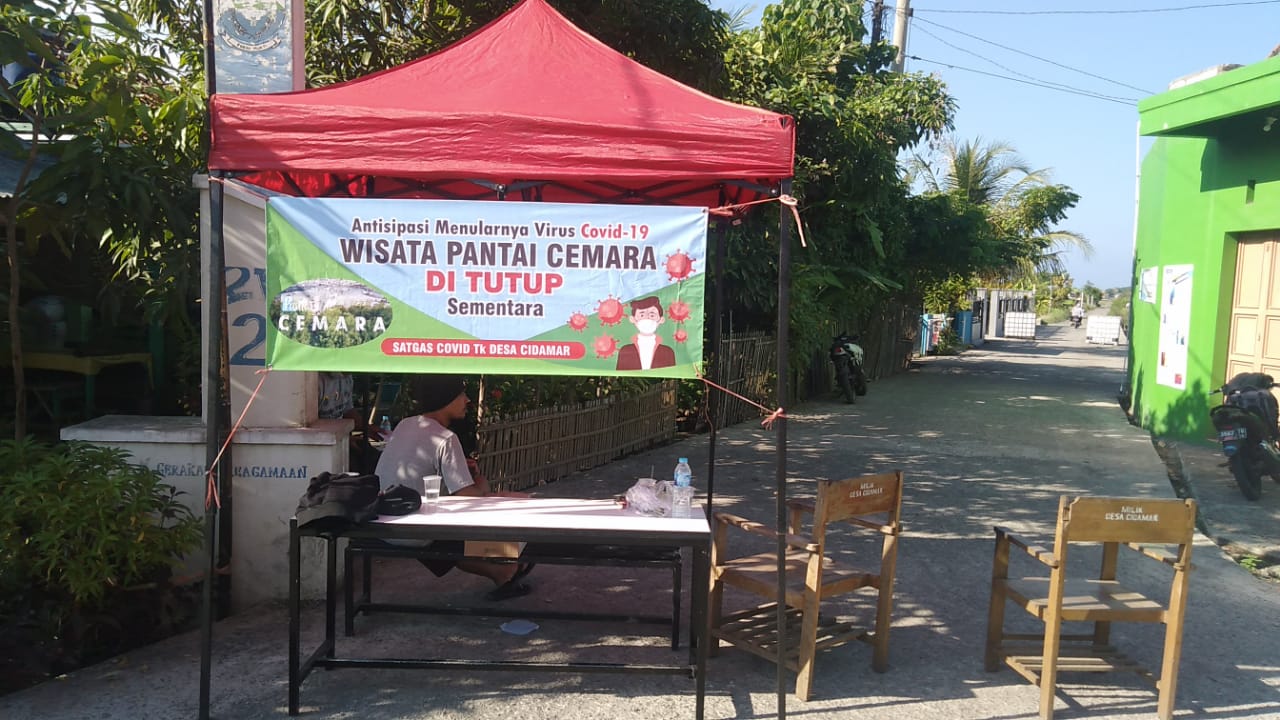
(700, 630)
(330, 594)
(295, 609)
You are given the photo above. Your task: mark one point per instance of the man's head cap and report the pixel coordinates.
(432, 392)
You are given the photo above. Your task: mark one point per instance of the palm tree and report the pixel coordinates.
(1021, 202)
(982, 174)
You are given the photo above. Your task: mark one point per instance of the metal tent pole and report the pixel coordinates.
(780, 425)
(713, 370)
(212, 320)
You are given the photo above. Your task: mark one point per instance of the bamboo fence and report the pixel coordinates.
(537, 446)
(748, 367)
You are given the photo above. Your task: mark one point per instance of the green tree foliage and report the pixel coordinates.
(1092, 295)
(809, 59)
(1055, 294)
(1020, 205)
(119, 124)
(346, 39)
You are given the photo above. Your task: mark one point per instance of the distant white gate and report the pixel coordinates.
(1103, 329)
(1020, 325)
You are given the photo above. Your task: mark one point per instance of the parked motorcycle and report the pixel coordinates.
(1246, 422)
(847, 356)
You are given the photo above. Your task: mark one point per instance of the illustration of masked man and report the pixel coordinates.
(646, 351)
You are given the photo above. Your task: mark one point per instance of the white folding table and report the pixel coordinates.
(570, 521)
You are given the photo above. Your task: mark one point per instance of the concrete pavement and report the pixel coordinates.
(994, 435)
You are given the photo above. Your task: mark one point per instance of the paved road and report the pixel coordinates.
(995, 435)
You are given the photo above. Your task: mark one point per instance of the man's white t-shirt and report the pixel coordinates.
(421, 446)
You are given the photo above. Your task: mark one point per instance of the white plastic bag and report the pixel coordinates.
(643, 498)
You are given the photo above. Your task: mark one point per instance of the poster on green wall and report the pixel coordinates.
(1147, 285)
(1175, 326)
(382, 285)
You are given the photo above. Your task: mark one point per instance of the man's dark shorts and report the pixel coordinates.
(441, 566)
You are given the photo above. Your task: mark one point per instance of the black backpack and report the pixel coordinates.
(335, 501)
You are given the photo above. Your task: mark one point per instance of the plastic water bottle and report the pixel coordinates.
(385, 429)
(682, 493)
(683, 473)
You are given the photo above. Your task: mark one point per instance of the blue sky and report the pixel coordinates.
(1089, 143)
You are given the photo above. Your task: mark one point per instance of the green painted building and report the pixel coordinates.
(1206, 289)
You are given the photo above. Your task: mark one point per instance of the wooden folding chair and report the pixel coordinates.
(1060, 598)
(871, 502)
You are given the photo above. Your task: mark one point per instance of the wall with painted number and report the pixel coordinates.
(287, 399)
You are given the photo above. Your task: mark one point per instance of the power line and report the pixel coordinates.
(1044, 60)
(1074, 91)
(993, 62)
(1143, 11)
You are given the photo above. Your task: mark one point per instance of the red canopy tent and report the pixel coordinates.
(529, 108)
(528, 97)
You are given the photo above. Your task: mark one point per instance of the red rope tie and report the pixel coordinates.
(789, 201)
(772, 416)
(211, 484)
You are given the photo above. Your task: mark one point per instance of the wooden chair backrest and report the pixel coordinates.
(866, 495)
(1134, 520)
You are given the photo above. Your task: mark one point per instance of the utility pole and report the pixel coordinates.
(877, 21)
(901, 14)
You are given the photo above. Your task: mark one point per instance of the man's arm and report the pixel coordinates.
(479, 488)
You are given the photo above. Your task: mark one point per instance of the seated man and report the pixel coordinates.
(424, 445)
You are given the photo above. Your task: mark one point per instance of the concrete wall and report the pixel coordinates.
(271, 469)
(280, 444)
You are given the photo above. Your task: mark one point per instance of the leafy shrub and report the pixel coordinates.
(948, 342)
(87, 543)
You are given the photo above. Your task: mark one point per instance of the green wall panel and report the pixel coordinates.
(1195, 202)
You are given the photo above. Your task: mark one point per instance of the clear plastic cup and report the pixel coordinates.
(431, 491)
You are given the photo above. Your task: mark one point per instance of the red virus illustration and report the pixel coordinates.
(678, 311)
(495, 394)
(681, 335)
(578, 321)
(679, 265)
(610, 311)
(605, 346)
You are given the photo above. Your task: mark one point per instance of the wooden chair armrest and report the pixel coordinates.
(1159, 554)
(1035, 551)
(798, 542)
(802, 504)
(883, 528)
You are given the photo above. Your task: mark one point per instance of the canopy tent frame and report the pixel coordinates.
(252, 159)
(730, 191)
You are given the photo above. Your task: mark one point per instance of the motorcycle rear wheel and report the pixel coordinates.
(846, 388)
(1247, 477)
(859, 383)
